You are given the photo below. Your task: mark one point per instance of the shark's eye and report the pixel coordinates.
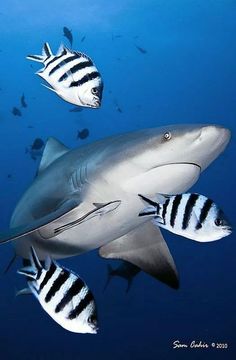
(167, 136)
(218, 222)
(94, 91)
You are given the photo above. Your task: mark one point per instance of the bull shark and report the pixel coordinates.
(86, 198)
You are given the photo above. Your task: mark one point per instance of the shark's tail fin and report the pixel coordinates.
(110, 272)
(46, 53)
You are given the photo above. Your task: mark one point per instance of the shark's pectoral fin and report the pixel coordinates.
(44, 222)
(146, 248)
(69, 214)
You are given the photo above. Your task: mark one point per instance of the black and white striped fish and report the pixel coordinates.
(193, 216)
(72, 75)
(62, 294)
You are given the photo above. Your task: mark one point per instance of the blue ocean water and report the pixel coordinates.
(187, 75)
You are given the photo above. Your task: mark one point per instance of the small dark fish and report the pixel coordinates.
(143, 51)
(30, 127)
(9, 176)
(83, 38)
(22, 100)
(37, 144)
(76, 109)
(113, 37)
(83, 134)
(118, 108)
(36, 149)
(125, 270)
(16, 111)
(68, 34)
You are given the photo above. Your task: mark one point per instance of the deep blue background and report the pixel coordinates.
(187, 76)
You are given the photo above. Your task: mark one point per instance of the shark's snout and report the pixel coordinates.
(209, 142)
(215, 133)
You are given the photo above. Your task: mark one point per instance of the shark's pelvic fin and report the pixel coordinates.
(52, 151)
(146, 248)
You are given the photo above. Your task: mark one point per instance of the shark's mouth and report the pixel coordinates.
(170, 178)
(177, 163)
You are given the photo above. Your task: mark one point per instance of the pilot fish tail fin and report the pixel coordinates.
(149, 201)
(34, 269)
(151, 210)
(46, 54)
(148, 211)
(46, 51)
(35, 260)
(25, 291)
(29, 272)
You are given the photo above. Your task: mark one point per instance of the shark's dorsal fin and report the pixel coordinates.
(52, 151)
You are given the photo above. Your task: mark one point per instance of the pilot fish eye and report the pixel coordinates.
(218, 222)
(94, 91)
(167, 135)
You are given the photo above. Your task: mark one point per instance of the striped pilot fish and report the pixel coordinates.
(193, 216)
(71, 75)
(62, 294)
